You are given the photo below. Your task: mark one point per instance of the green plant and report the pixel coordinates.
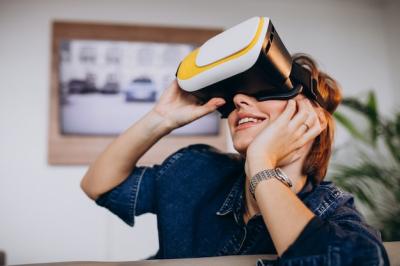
(374, 175)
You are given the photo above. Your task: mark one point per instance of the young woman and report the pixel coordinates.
(203, 198)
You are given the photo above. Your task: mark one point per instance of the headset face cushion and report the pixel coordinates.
(229, 106)
(252, 82)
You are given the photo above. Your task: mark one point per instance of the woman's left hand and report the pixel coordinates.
(281, 140)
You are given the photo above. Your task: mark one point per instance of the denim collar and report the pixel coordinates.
(234, 200)
(233, 195)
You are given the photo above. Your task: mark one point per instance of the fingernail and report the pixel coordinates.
(220, 102)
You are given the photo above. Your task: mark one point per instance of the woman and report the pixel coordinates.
(203, 198)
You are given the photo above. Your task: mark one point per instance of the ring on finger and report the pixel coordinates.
(307, 126)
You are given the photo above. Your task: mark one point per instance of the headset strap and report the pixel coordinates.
(303, 76)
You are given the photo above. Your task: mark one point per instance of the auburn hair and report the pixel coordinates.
(316, 163)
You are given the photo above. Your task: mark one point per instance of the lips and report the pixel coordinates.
(247, 124)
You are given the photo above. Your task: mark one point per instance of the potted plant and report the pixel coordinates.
(374, 173)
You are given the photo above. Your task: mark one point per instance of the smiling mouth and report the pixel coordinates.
(248, 122)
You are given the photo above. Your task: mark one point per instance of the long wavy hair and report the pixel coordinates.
(317, 160)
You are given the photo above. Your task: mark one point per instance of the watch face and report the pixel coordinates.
(280, 173)
(283, 177)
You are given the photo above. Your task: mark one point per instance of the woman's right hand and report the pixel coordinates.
(179, 107)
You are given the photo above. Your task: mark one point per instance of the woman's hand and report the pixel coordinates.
(282, 140)
(179, 107)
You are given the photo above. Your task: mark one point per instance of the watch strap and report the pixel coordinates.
(268, 174)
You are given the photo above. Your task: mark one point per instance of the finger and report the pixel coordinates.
(313, 115)
(289, 111)
(209, 107)
(300, 117)
(309, 123)
(311, 120)
(300, 131)
(217, 102)
(311, 134)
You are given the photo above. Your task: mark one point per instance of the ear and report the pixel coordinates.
(322, 118)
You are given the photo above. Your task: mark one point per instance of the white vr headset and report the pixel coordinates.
(248, 58)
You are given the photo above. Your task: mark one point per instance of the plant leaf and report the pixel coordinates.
(344, 121)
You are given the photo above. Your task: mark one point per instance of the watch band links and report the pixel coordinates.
(268, 174)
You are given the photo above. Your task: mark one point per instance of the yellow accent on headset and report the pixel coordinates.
(188, 67)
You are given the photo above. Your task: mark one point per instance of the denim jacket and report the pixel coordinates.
(197, 194)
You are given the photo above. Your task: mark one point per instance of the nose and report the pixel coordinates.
(242, 101)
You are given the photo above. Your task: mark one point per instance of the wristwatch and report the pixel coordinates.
(267, 174)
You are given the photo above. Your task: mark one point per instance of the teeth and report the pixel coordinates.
(248, 119)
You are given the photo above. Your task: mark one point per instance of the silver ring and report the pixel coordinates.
(307, 126)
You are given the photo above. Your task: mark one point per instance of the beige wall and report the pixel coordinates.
(392, 30)
(43, 214)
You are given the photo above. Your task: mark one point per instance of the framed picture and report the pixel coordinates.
(105, 77)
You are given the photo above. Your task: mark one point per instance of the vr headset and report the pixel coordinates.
(248, 58)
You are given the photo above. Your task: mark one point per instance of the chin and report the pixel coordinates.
(241, 144)
(240, 149)
(242, 139)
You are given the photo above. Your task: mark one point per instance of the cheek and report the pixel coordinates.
(241, 140)
(272, 108)
(230, 121)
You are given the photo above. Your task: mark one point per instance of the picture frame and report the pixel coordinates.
(70, 140)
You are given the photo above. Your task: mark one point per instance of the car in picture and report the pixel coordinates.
(79, 86)
(111, 86)
(76, 86)
(141, 90)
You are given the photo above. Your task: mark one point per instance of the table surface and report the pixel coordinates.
(242, 260)
(392, 249)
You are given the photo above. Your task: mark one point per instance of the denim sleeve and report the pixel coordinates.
(137, 194)
(341, 239)
(134, 196)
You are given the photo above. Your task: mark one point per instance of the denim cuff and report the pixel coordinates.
(122, 199)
